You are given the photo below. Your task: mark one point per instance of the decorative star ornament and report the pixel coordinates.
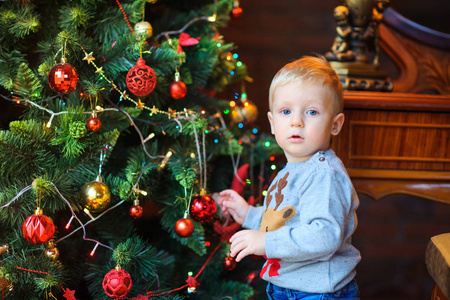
(140, 104)
(69, 295)
(154, 110)
(172, 113)
(99, 70)
(89, 58)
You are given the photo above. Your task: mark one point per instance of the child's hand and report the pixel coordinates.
(246, 242)
(231, 202)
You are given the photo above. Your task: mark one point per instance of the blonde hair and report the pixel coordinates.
(310, 70)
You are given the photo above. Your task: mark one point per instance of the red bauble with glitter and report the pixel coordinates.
(184, 227)
(203, 208)
(141, 79)
(93, 124)
(117, 283)
(236, 12)
(38, 228)
(177, 90)
(229, 263)
(63, 78)
(136, 211)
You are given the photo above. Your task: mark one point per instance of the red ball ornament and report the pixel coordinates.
(184, 227)
(141, 79)
(203, 208)
(236, 12)
(63, 78)
(136, 210)
(117, 283)
(38, 228)
(93, 124)
(177, 90)
(229, 263)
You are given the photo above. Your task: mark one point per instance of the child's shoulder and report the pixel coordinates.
(327, 162)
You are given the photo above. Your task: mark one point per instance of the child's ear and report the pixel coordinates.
(269, 115)
(338, 121)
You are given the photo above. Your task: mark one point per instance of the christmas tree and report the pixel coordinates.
(122, 119)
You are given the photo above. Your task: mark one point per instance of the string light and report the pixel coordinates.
(93, 250)
(49, 124)
(70, 221)
(212, 18)
(150, 136)
(86, 211)
(144, 193)
(163, 163)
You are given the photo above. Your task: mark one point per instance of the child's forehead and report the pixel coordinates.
(300, 88)
(293, 93)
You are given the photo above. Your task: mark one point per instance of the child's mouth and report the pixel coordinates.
(295, 138)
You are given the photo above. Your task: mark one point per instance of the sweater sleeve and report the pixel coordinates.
(316, 231)
(254, 216)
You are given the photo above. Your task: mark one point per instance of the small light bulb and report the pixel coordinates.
(68, 223)
(93, 250)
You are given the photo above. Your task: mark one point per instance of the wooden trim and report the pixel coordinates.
(377, 189)
(399, 174)
(396, 101)
(398, 124)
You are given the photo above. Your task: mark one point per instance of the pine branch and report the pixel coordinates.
(27, 85)
(25, 22)
(9, 63)
(75, 17)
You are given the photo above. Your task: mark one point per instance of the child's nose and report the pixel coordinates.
(297, 121)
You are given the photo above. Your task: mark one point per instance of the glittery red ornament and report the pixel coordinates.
(184, 227)
(141, 79)
(236, 12)
(117, 283)
(38, 228)
(93, 124)
(203, 208)
(229, 263)
(63, 78)
(177, 90)
(136, 210)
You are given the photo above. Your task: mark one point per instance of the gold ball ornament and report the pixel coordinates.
(143, 28)
(52, 251)
(247, 112)
(95, 196)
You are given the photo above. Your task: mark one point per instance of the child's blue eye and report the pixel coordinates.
(285, 111)
(312, 112)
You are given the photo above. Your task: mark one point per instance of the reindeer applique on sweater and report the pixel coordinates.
(274, 219)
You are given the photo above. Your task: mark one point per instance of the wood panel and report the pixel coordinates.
(397, 143)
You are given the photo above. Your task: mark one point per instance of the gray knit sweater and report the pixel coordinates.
(309, 216)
